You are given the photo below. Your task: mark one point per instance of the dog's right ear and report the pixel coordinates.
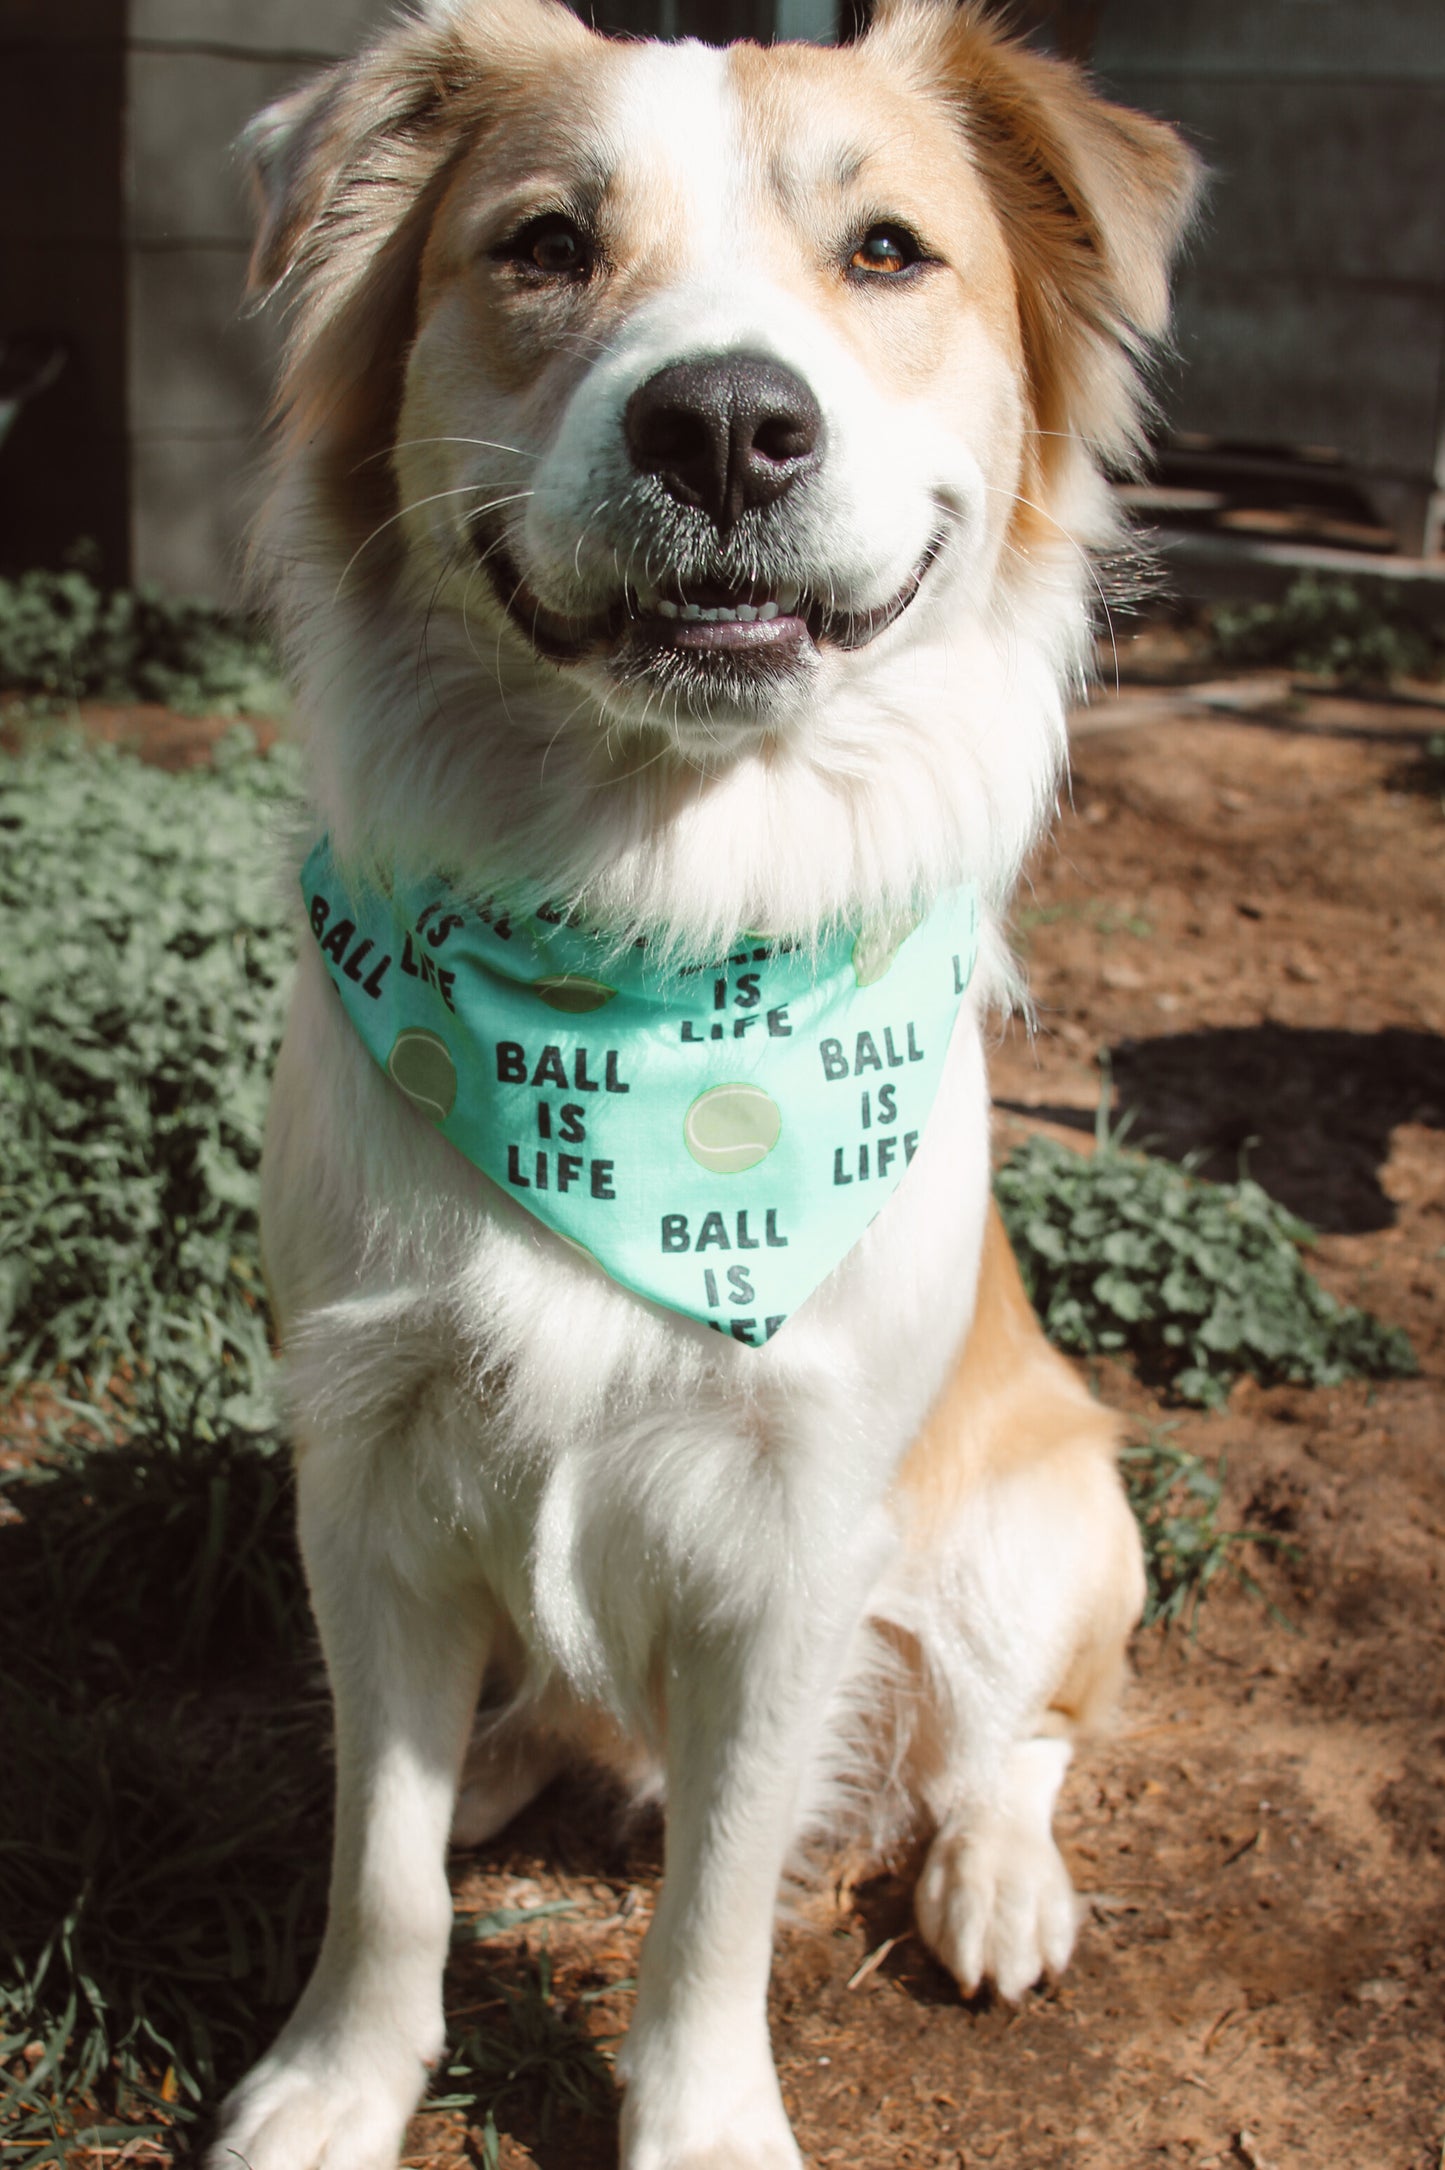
(283, 150)
(336, 164)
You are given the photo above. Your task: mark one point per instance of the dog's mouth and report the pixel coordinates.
(734, 625)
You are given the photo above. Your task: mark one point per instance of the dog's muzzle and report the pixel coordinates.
(718, 442)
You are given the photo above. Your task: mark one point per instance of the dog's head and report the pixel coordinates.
(703, 406)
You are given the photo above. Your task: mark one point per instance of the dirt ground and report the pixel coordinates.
(1243, 909)
(1242, 914)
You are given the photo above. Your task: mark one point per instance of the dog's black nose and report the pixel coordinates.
(726, 433)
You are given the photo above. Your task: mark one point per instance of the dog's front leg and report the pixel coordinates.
(742, 1715)
(404, 1649)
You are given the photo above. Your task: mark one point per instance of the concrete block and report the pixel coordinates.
(1315, 176)
(196, 364)
(192, 499)
(282, 28)
(1288, 39)
(186, 111)
(714, 20)
(1291, 362)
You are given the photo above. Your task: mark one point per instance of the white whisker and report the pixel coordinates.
(464, 489)
(407, 444)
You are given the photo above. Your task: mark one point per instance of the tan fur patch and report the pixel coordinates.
(1009, 1397)
(1014, 1407)
(1093, 200)
(838, 142)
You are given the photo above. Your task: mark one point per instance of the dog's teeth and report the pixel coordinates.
(725, 614)
(788, 599)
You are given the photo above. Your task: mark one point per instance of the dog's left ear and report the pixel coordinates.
(1094, 200)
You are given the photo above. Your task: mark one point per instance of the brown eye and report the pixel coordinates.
(885, 250)
(553, 245)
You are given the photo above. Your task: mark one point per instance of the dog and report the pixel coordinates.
(686, 465)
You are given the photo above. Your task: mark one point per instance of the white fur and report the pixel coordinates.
(503, 1454)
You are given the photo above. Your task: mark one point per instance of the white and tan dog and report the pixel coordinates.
(685, 464)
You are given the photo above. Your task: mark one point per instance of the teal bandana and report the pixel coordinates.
(716, 1138)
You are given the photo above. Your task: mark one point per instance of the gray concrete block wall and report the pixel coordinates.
(296, 29)
(1350, 41)
(1311, 308)
(199, 367)
(1299, 362)
(124, 227)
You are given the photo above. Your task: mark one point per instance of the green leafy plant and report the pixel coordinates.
(162, 1842)
(162, 1878)
(1177, 1498)
(143, 984)
(1199, 1281)
(155, 1899)
(64, 639)
(534, 2054)
(1330, 627)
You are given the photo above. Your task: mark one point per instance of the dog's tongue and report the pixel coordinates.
(778, 636)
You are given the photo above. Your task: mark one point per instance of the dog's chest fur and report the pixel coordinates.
(581, 1445)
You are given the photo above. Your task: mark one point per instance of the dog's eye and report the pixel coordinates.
(553, 244)
(886, 250)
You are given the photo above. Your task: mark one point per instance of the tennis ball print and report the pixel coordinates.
(573, 992)
(876, 948)
(730, 1128)
(420, 1064)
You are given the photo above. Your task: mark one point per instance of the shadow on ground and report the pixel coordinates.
(164, 1814)
(1307, 1113)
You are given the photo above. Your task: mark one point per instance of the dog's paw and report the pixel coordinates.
(317, 2111)
(995, 1901)
(682, 2114)
(741, 2146)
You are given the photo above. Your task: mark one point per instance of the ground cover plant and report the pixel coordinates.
(1330, 628)
(163, 1824)
(1177, 1498)
(144, 1918)
(1198, 1281)
(64, 639)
